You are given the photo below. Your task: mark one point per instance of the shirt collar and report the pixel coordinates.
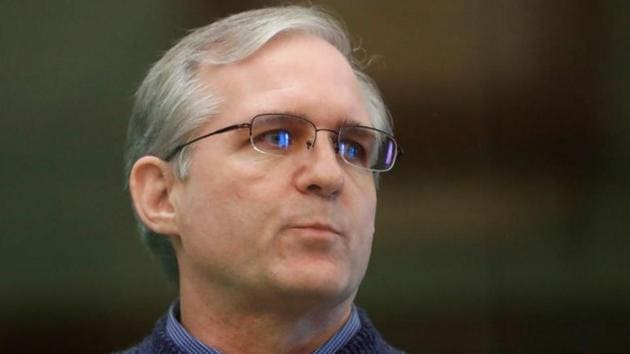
(184, 340)
(191, 345)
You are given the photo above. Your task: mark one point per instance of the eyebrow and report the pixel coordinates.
(346, 122)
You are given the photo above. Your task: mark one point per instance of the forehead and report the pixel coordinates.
(293, 73)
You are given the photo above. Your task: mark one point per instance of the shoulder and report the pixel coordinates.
(158, 342)
(368, 340)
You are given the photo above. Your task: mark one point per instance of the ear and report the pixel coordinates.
(151, 184)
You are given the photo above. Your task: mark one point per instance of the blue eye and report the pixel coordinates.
(352, 151)
(279, 139)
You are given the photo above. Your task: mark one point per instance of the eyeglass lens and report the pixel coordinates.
(363, 147)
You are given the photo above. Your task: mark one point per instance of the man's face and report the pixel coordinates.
(256, 224)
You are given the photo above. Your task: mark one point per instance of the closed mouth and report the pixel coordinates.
(322, 227)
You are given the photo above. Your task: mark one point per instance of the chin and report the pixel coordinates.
(322, 282)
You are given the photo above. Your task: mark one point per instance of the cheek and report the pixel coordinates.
(220, 221)
(229, 202)
(360, 247)
(363, 202)
(367, 226)
(362, 219)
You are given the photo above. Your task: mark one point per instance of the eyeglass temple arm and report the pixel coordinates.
(222, 130)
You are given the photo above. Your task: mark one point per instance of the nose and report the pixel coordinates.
(321, 173)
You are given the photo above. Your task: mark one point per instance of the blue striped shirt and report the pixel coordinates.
(189, 344)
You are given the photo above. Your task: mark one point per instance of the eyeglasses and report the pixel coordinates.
(281, 134)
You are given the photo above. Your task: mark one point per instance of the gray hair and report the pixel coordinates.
(172, 102)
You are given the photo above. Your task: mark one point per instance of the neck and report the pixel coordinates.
(234, 325)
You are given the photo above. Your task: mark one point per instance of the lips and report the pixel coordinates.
(317, 227)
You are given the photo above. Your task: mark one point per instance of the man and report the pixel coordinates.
(254, 149)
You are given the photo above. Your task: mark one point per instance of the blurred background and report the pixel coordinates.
(503, 229)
